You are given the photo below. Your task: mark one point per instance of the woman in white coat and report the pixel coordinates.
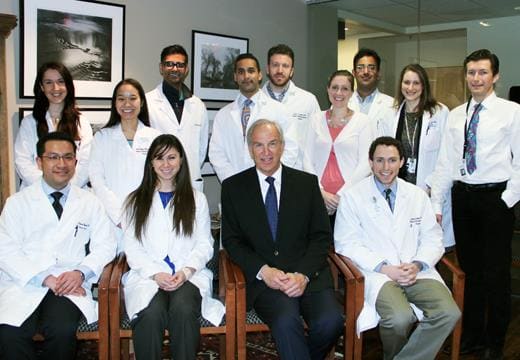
(418, 122)
(54, 110)
(337, 142)
(168, 243)
(119, 150)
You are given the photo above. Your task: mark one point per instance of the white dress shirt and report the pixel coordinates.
(497, 154)
(264, 185)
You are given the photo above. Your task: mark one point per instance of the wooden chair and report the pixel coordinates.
(249, 321)
(121, 332)
(98, 330)
(458, 279)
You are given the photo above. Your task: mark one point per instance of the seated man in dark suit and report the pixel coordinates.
(276, 228)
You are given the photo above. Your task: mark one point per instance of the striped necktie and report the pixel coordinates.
(471, 140)
(56, 203)
(246, 113)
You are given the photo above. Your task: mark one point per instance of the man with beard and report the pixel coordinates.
(367, 98)
(300, 104)
(228, 150)
(175, 110)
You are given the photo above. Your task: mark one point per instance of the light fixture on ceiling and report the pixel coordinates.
(517, 8)
(312, 2)
(484, 23)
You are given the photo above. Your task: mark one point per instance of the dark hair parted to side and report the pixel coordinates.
(174, 49)
(139, 202)
(281, 49)
(115, 118)
(367, 52)
(346, 73)
(243, 57)
(427, 102)
(483, 54)
(69, 121)
(386, 141)
(53, 136)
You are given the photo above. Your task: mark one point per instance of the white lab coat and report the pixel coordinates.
(228, 150)
(301, 105)
(146, 259)
(33, 240)
(368, 232)
(351, 148)
(429, 147)
(25, 151)
(116, 169)
(381, 107)
(192, 131)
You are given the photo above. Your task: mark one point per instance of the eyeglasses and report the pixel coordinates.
(53, 157)
(172, 64)
(369, 67)
(50, 83)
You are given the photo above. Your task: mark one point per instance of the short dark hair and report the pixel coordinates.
(246, 56)
(53, 136)
(281, 49)
(173, 49)
(483, 54)
(367, 52)
(386, 141)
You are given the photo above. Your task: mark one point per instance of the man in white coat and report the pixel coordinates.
(367, 98)
(388, 228)
(228, 151)
(301, 105)
(173, 109)
(46, 269)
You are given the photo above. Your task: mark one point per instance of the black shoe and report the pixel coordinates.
(492, 354)
(466, 347)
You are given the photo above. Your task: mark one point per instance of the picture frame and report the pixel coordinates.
(97, 117)
(213, 57)
(87, 36)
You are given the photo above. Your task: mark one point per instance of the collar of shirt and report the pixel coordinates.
(264, 185)
(381, 188)
(277, 95)
(369, 99)
(486, 103)
(48, 190)
(254, 99)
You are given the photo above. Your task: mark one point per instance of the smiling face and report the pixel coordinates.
(266, 148)
(174, 69)
(166, 166)
(128, 102)
(339, 91)
(248, 77)
(367, 74)
(386, 163)
(411, 87)
(57, 163)
(480, 79)
(280, 70)
(53, 86)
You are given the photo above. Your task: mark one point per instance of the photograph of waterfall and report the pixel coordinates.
(86, 36)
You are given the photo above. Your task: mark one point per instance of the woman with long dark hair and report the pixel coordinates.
(418, 122)
(126, 138)
(54, 110)
(168, 242)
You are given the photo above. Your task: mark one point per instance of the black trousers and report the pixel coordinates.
(282, 314)
(56, 318)
(179, 312)
(483, 227)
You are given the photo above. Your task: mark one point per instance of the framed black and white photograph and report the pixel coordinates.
(97, 117)
(86, 36)
(213, 56)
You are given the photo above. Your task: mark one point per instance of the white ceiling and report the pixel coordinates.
(388, 14)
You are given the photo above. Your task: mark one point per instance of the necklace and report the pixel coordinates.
(335, 123)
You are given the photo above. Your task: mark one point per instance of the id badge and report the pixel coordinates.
(462, 167)
(411, 165)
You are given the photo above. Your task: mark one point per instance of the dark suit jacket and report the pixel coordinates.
(303, 233)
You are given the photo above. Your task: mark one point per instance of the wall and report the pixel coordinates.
(154, 24)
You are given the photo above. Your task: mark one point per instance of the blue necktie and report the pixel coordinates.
(170, 264)
(246, 113)
(56, 203)
(471, 141)
(388, 199)
(271, 206)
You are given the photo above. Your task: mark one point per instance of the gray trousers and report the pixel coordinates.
(397, 318)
